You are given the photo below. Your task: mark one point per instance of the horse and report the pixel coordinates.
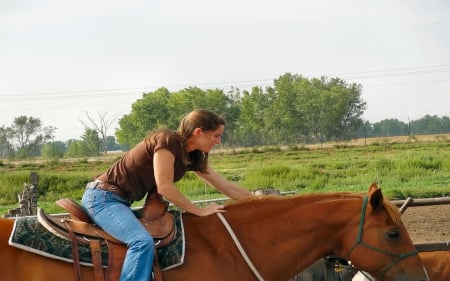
(266, 238)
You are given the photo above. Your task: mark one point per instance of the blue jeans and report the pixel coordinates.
(113, 214)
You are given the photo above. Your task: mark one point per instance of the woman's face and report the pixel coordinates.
(206, 140)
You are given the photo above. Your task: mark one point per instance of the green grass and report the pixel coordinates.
(418, 169)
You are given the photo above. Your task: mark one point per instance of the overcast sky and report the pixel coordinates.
(60, 59)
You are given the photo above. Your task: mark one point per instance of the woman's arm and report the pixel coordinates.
(163, 162)
(228, 188)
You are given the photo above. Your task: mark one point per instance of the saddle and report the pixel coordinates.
(79, 229)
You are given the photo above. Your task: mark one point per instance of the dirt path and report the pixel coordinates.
(428, 223)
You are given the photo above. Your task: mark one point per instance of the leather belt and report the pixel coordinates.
(107, 187)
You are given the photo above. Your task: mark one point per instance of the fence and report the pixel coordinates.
(411, 202)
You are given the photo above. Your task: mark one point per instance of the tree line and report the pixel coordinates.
(26, 137)
(295, 110)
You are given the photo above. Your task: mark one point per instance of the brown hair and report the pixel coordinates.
(201, 118)
(207, 121)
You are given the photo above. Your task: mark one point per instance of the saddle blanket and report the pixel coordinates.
(29, 235)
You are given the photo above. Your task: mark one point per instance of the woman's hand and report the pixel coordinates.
(212, 209)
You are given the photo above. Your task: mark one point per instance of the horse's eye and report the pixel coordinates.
(392, 234)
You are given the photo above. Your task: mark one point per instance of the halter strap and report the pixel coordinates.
(359, 242)
(239, 246)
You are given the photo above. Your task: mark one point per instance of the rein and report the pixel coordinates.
(359, 242)
(239, 246)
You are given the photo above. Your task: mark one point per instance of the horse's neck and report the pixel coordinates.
(295, 231)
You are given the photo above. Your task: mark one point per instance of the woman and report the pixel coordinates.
(154, 165)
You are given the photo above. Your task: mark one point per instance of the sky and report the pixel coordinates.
(61, 60)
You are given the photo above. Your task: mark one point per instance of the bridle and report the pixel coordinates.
(359, 242)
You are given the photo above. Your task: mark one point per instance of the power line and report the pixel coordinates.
(409, 83)
(395, 74)
(130, 92)
(89, 94)
(408, 70)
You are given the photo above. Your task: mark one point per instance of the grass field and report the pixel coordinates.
(418, 167)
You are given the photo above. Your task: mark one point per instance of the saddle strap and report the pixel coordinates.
(157, 274)
(97, 260)
(75, 255)
(95, 253)
(116, 255)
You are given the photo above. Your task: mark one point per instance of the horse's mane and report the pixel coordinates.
(392, 211)
(310, 197)
(389, 207)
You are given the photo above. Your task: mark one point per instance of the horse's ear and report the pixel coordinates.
(372, 187)
(375, 196)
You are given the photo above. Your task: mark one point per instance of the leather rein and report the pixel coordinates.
(239, 246)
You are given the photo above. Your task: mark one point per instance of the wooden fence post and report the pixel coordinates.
(27, 199)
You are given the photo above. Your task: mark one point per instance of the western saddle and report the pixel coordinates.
(79, 229)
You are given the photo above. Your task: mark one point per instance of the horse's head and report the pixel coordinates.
(382, 236)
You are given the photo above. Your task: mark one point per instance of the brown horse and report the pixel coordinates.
(281, 236)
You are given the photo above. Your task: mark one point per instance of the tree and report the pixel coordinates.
(111, 144)
(296, 109)
(91, 142)
(148, 113)
(24, 128)
(345, 109)
(101, 126)
(6, 136)
(252, 117)
(232, 112)
(182, 102)
(75, 148)
(390, 127)
(162, 109)
(286, 118)
(53, 149)
(313, 110)
(30, 135)
(431, 125)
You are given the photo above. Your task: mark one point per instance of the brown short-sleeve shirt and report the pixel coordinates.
(134, 173)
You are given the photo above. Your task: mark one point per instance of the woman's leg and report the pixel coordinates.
(113, 214)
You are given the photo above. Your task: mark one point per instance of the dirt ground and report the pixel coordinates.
(428, 223)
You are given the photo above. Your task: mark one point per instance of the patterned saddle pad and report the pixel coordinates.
(29, 235)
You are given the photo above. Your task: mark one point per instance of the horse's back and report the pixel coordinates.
(20, 265)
